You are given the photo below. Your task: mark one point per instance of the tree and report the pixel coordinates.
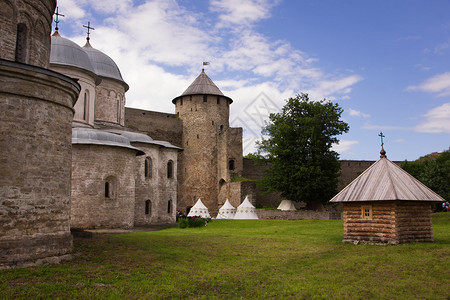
(433, 171)
(303, 166)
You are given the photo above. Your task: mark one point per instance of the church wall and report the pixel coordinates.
(155, 187)
(110, 102)
(35, 161)
(34, 44)
(87, 83)
(92, 167)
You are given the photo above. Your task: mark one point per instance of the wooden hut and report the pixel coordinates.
(385, 204)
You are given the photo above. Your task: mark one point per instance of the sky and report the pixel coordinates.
(386, 63)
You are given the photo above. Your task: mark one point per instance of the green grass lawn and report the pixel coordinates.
(235, 259)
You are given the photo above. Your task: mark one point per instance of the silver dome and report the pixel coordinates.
(67, 53)
(104, 66)
(90, 136)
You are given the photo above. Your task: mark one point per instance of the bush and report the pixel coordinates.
(185, 222)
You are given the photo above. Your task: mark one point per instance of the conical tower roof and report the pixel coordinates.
(202, 85)
(385, 181)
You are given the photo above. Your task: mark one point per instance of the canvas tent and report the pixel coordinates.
(286, 205)
(199, 210)
(245, 211)
(227, 211)
(385, 204)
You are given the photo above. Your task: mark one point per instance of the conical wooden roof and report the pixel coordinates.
(202, 85)
(384, 181)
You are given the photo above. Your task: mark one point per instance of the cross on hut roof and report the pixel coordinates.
(57, 18)
(88, 29)
(382, 152)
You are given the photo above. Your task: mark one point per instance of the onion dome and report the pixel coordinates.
(90, 136)
(103, 65)
(64, 52)
(202, 85)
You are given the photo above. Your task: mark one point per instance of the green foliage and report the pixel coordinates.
(257, 158)
(241, 259)
(238, 179)
(185, 222)
(433, 172)
(304, 168)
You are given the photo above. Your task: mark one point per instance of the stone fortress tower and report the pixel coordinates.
(212, 153)
(35, 145)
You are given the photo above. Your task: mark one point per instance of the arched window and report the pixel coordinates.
(110, 187)
(231, 164)
(148, 207)
(169, 206)
(170, 169)
(86, 106)
(148, 167)
(21, 43)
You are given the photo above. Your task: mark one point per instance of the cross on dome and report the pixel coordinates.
(57, 18)
(88, 30)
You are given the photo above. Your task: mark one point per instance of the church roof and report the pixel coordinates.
(384, 181)
(202, 85)
(90, 136)
(104, 65)
(67, 53)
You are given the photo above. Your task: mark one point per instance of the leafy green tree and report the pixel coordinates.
(434, 172)
(303, 166)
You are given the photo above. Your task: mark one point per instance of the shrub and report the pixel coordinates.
(185, 222)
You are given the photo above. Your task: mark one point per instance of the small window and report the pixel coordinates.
(198, 136)
(181, 101)
(218, 99)
(205, 98)
(366, 212)
(148, 167)
(86, 106)
(170, 169)
(231, 164)
(107, 189)
(110, 187)
(169, 206)
(148, 207)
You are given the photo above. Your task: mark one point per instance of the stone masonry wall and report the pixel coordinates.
(92, 166)
(36, 17)
(35, 161)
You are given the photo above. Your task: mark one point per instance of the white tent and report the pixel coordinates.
(246, 211)
(227, 211)
(286, 205)
(199, 210)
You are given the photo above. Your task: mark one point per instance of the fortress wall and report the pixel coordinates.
(159, 126)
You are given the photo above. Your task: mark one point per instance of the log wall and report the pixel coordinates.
(392, 222)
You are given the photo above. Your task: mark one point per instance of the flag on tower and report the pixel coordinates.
(205, 63)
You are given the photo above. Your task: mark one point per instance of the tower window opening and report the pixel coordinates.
(198, 136)
(213, 122)
(231, 164)
(107, 190)
(181, 101)
(170, 169)
(205, 98)
(148, 207)
(21, 43)
(218, 99)
(169, 206)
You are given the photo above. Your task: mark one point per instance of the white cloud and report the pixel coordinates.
(241, 12)
(344, 146)
(357, 113)
(437, 120)
(438, 84)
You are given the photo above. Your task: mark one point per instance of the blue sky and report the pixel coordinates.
(387, 63)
